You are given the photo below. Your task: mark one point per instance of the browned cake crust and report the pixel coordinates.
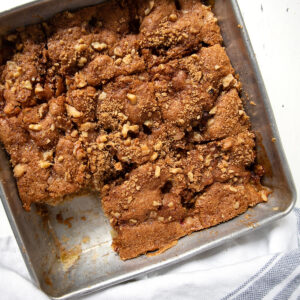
(137, 100)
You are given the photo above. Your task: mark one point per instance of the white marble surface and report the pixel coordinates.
(273, 26)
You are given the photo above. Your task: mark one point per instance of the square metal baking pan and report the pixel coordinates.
(87, 263)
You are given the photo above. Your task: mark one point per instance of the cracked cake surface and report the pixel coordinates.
(138, 101)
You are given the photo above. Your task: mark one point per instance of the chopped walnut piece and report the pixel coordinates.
(154, 156)
(145, 149)
(35, 127)
(210, 122)
(132, 98)
(74, 133)
(158, 146)
(38, 89)
(45, 164)
(153, 214)
(148, 9)
(227, 80)
(87, 126)
(116, 214)
(173, 17)
(99, 46)
(127, 59)
(264, 195)
(118, 166)
(18, 73)
(81, 47)
(236, 205)
(19, 170)
(191, 176)
(227, 145)
(73, 112)
(48, 155)
(102, 138)
(118, 51)
(102, 96)
(60, 158)
(127, 142)
(213, 110)
(181, 122)
(126, 128)
(175, 170)
(27, 85)
(118, 61)
(80, 81)
(197, 137)
(43, 110)
(133, 221)
(157, 172)
(82, 61)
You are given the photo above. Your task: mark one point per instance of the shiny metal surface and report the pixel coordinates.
(83, 241)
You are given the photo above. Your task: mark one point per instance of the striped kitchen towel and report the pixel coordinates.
(265, 264)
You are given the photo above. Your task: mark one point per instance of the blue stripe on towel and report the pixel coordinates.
(251, 278)
(261, 285)
(279, 272)
(289, 288)
(297, 212)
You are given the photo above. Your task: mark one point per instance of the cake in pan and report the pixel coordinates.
(138, 101)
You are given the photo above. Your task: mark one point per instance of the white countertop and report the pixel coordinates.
(273, 27)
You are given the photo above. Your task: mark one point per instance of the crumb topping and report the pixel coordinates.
(139, 102)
